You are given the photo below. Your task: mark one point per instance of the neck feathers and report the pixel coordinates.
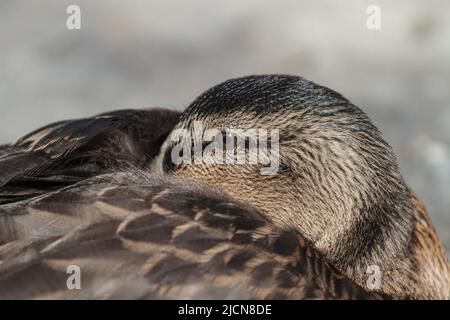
(411, 258)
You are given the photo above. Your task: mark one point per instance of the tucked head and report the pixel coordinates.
(311, 161)
(337, 180)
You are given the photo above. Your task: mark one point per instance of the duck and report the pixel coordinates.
(92, 204)
(336, 207)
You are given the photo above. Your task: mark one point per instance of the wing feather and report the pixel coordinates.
(134, 236)
(66, 152)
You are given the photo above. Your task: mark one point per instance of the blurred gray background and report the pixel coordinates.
(134, 54)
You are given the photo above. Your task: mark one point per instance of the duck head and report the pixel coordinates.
(309, 160)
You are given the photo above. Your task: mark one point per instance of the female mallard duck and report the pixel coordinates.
(337, 206)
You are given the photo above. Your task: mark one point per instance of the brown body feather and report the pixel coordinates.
(429, 254)
(137, 237)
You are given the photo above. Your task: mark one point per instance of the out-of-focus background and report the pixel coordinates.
(134, 54)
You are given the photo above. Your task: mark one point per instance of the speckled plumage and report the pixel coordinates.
(338, 185)
(138, 237)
